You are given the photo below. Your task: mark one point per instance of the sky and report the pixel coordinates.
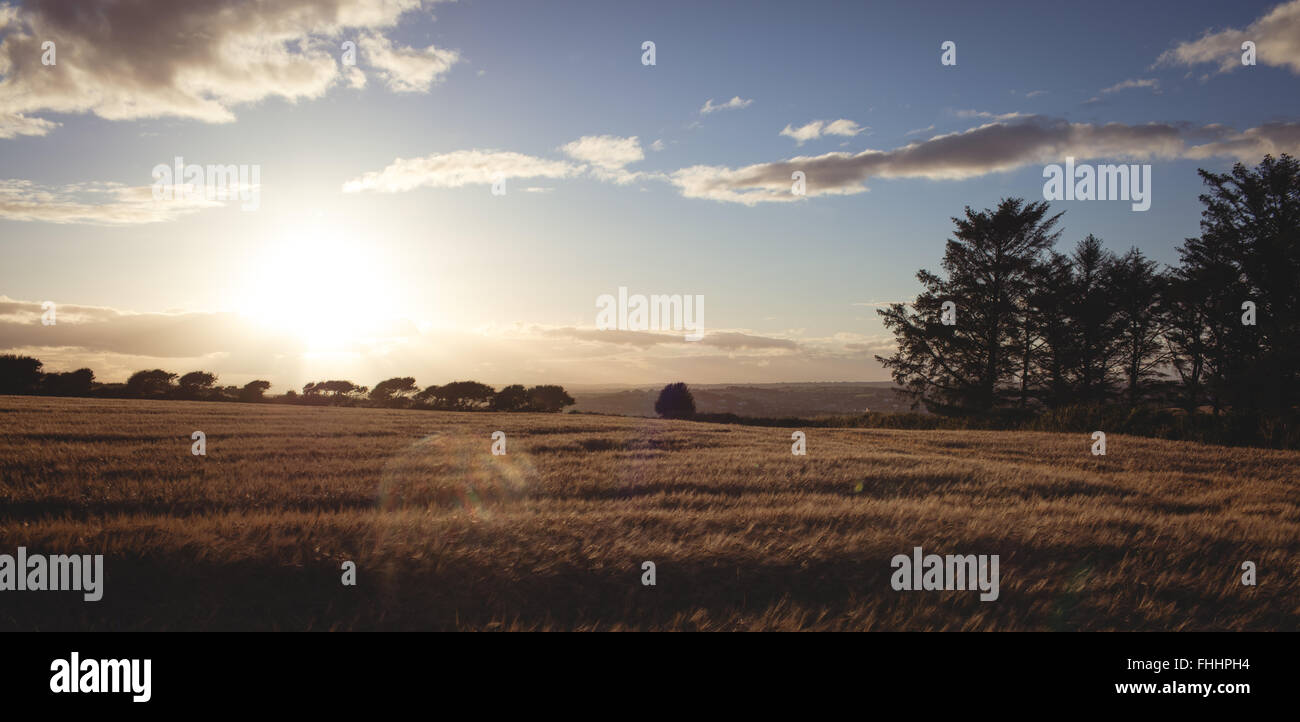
(453, 201)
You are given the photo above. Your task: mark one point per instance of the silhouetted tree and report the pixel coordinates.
(463, 395)
(394, 392)
(426, 399)
(1090, 310)
(150, 383)
(675, 402)
(989, 263)
(1049, 377)
(68, 383)
(1135, 286)
(253, 390)
(196, 384)
(511, 398)
(339, 391)
(548, 398)
(19, 374)
(1190, 309)
(1249, 251)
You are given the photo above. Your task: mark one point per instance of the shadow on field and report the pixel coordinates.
(392, 595)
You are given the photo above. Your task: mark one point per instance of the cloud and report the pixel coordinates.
(1035, 93)
(871, 346)
(987, 115)
(456, 169)
(29, 312)
(107, 204)
(994, 147)
(720, 339)
(356, 79)
(1134, 83)
(1276, 37)
(194, 60)
(817, 128)
(734, 104)
(13, 125)
(606, 151)
(114, 343)
(602, 156)
(607, 155)
(100, 329)
(989, 148)
(763, 182)
(1250, 145)
(918, 131)
(406, 70)
(881, 349)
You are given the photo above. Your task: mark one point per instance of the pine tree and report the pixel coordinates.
(959, 368)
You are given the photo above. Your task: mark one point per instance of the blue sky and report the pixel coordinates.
(447, 280)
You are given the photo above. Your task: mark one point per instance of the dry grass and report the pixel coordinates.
(552, 535)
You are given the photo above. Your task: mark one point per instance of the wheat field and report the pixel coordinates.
(552, 534)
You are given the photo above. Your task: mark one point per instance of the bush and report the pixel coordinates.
(675, 402)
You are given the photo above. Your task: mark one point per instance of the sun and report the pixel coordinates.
(319, 288)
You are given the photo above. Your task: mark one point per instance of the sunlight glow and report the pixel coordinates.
(327, 291)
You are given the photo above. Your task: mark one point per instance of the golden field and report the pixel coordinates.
(745, 535)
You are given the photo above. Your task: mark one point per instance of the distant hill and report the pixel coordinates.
(769, 400)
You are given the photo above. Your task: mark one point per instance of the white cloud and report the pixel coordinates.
(406, 70)
(1134, 83)
(818, 128)
(843, 127)
(607, 154)
(93, 203)
(734, 104)
(603, 156)
(983, 114)
(606, 151)
(456, 169)
(356, 79)
(16, 124)
(994, 147)
(1276, 36)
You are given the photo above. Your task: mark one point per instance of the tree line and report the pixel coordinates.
(23, 375)
(1011, 326)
